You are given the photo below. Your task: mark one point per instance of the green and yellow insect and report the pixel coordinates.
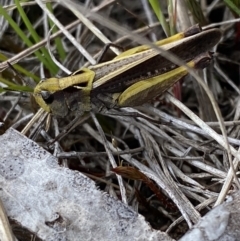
(131, 79)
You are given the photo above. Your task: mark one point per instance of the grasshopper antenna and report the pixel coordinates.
(20, 77)
(105, 49)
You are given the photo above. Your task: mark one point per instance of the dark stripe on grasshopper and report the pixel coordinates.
(145, 90)
(158, 65)
(139, 53)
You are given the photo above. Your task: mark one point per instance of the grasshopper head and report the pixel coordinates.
(41, 88)
(61, 97)
(48, 96)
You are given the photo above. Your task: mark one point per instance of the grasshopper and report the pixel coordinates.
(131, 79)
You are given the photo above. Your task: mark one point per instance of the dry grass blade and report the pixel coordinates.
(66, 33)
(110, 156)
(6, 233)
(166, 148)
(134, 174)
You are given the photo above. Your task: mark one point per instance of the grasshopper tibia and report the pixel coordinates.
(203, 60)
(192, 30)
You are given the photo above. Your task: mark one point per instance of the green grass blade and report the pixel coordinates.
(50, 64)
(21, 34)
(14, 87)
(21, 69)
(157, 10)
(234, 5)
(196, 11)
(58, 42)
(172, 18)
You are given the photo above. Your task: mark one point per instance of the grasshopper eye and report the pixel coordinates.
(47, 97)
(42, 80)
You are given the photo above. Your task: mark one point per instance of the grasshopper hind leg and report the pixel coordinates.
(103, 102)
